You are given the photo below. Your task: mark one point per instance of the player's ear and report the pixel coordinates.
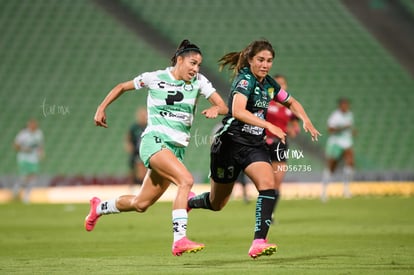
(180, 60)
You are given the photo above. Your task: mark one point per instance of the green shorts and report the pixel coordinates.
(151, 144)
(27, 168)
(334, 151)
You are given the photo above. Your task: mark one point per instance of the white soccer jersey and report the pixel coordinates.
(30, 143)
(339, 119)
(171, 103)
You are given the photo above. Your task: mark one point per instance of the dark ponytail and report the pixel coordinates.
(184, 49)
(238, 60)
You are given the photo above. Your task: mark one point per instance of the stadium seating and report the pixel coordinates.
(325, 54)
(67, 55)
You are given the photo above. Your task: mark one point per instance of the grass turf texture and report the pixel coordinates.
(355, 236)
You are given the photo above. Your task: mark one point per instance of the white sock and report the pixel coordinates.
(348, 175)
(16, 188)
(179, 218)
(28, 190)
(326, 178)
(107, 207)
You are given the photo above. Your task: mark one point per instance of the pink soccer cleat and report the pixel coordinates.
(92, 217)
(190, 196)
(184, 245)
(260, 247)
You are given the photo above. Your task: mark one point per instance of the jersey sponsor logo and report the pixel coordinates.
(141, 82)
(252, 129)
(243, 84)
(257, 91)
(261, 103)
(174, 96)
(174, 115)
(163, 84)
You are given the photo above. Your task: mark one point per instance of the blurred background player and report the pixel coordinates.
(283, 118)
(29, 146)
(339, 146)
(241, 186)
(132, 143)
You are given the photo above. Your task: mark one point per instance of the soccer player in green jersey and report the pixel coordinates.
(240, 145)
(339, 146)
(171, 101)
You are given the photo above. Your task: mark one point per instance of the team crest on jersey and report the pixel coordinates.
(188, 86)
(271, 92)
(243, 84)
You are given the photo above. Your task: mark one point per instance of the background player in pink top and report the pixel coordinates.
(283, 118)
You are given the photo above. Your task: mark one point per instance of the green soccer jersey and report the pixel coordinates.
(171, 104)
(258, 96)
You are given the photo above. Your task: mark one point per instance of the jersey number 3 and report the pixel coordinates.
(174, 96)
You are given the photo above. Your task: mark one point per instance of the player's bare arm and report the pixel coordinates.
(218, 106)
(299, 111)
(100, 116)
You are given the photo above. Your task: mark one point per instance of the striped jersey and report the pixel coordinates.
(339, 119)
(171, 103)
(30, 142)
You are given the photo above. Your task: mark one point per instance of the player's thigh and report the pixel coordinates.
(167, 165)
(255, 162)
(349, 156)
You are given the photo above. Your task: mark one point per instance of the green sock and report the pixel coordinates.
(264, 208)
(200, 201)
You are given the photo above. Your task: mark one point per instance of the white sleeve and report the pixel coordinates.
(19, 138)
(141, 81)
(333, 121)
(206, 87)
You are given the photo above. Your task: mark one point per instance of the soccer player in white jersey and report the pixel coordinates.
(339, 146)
(29, 146)
(171, 101)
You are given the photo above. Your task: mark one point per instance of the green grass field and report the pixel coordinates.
(356, 236)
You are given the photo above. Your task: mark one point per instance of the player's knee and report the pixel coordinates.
(186, 181)
(266, 184)
(217, 207)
